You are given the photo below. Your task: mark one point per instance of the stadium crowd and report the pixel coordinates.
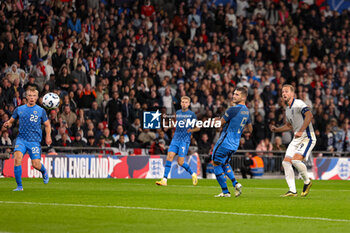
(110, 61)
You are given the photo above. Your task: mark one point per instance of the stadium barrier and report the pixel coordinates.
(331, 168)
(103, 166)
(92, 162)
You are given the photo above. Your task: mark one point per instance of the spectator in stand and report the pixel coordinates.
(159, 147)
(91, 141)
(127, 109)
(120, 131)
(78, 142)
(245, 169)
(64, 79)
(278, 146)
(87, 97)
(120, 121)
(265, 145)
(95, 113)
(204, 144)
(120, 144)
(147, 10)
(68, 116)
(103, 145)
(63, 142)
(154, 57)
(146, 137)
(113, 106)
(79, 76)
(62, 130)
(132, 143)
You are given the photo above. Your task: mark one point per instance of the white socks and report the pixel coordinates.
(289, 173)
(302, 170)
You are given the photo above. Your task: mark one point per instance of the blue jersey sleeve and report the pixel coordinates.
(15, 114)
(43, 116)
(231, 112)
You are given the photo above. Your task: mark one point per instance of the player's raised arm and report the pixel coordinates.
(283, 128)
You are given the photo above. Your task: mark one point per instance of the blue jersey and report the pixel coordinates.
(185, 120)
(30, 119)
(236, 118)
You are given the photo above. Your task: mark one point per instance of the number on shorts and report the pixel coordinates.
(35, 150)
(183, 149)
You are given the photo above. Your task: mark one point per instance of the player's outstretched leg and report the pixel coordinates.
(189, 170)
(163, 182)
(220, 177)
(186, 166)
(229, 173)
(301, 167)
(44, 173)
(18, 176)
(289, 173)
(40, 167)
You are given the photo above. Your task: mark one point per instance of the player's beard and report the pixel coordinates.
(287, 100)
(236, 101)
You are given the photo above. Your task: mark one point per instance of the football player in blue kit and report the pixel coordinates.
(181, 141)
(233, 122)
(29, 137)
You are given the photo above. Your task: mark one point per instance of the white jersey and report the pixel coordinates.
(295, 114)
(303, 145)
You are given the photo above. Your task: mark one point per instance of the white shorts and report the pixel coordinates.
(302, 146)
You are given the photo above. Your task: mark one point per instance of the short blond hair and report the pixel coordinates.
(290, 87)
(185, 97)
(32, 89)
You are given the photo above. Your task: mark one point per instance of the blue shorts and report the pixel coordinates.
(179, 148)
(221, 154)
(33, 148)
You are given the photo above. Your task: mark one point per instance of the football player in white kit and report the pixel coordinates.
(299, 119)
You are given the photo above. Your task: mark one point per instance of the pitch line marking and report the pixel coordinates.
(179, 210)
(245, 187)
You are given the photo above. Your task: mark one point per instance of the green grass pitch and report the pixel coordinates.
(112, 205)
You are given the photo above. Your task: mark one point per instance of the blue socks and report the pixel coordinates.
(220, 177)
(42, 169)
(229, 173)
(18, 175)
(167, 168)
(187, 168)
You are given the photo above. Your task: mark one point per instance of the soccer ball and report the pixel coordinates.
(51, 100)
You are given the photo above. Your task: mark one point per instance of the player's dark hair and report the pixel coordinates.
(243, 91)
